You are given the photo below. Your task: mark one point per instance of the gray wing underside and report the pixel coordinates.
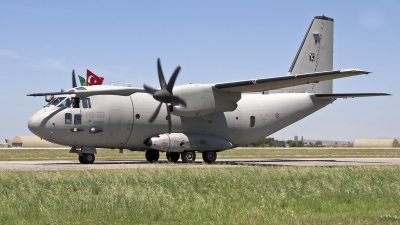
(348, 95)
(274, 83)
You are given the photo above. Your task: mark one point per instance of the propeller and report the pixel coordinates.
(73, 79)
(164, 95)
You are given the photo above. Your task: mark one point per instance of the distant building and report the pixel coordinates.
(7, 144)
(32, 142)
(376, 143)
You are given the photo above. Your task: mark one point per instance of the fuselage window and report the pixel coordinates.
(68, 118)
(86, 103)
(252, 121)
(77, 119)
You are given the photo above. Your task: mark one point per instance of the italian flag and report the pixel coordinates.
(82, 81)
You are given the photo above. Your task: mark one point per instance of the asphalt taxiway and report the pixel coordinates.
(124, 164)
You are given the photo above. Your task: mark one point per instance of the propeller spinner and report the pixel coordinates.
(164, 95)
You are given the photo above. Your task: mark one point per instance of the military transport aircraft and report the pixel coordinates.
(205, 118)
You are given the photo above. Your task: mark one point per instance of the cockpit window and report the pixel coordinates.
(60, 102)
(56, 101)
(66, 103)
(75, 102)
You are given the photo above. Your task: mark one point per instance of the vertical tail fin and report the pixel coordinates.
(314, 55)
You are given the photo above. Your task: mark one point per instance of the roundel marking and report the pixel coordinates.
(277, 115)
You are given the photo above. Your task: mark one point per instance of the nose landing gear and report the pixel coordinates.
(86, 158)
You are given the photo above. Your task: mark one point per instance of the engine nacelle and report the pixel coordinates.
(179, 142)
(203, 100)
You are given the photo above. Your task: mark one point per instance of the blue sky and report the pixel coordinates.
(213, 41)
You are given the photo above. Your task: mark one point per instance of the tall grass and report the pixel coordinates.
(209, 195)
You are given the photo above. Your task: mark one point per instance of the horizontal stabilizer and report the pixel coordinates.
(274, 83)
(349, 95)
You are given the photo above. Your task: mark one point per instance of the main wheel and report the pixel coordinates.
(209, 156)
(188, 156)
(173, 156)
(152, 156)
(86, 158)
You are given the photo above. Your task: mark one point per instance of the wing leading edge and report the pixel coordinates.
(273, 83)
(82, 91)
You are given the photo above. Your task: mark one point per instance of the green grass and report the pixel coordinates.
(107, 154)
(209, 195)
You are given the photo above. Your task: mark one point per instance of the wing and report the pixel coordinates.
(273, 83)
(102, 90)
(349, 95)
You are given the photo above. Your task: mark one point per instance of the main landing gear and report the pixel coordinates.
(173, 156)
(86, 158)
(152, 156)
(210, 157)
(188, 156)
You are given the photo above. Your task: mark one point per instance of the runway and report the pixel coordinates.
(125, 164)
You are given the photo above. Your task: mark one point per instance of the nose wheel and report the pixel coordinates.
(86, 158)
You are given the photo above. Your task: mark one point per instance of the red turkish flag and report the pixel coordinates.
(93, 79)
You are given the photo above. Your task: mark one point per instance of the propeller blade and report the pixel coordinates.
(73, 79)
(161, 78)
(149, 89)
(171, 81)
(178, 100)
(169, 119)
(155, 114)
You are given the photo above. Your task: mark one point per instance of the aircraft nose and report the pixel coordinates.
(34, 123)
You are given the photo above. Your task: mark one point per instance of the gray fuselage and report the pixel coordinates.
(123, 120)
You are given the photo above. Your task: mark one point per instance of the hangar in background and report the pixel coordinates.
(376, 143)
(30, 142)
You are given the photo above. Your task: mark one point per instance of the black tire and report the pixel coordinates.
(210, 156)
(152, 156)
(173, 156)
(88, 158)
(80, 158)
(188, 156)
